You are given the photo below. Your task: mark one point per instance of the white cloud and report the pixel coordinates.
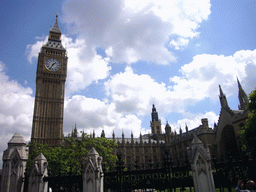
(179, 43)
(194, 121)
(16, 104)
(135, 94)
(32, 50)
(16, 109)
(130, 31)
(92, 114)
(81, 71)
(201, 77)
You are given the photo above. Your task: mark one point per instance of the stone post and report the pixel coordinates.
(92, 172)
(200, 160)
(38, 172)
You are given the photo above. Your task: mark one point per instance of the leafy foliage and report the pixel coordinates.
(248, 132)
(69, 157)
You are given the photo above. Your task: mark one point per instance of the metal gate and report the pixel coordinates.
(171, 175)
(65, 183)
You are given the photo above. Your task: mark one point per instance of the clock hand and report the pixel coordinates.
(53, 64)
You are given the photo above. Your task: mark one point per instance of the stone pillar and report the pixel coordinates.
(14, 164)
(200, 160)
(92, 172)
(38, 172)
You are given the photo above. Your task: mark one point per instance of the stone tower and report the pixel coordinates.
(155, 123)
(47, 127)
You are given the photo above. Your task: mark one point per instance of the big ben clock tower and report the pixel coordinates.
(47, 127)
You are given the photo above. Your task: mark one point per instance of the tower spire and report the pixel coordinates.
(102, 134)
(155, 123)
(55, 27)
(168, 128)
(154, 114)
(223, 99)
(113, 135)
(243, 99)
(54, 38)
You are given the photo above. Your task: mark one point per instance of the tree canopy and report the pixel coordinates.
(69, 157)
(248, 132)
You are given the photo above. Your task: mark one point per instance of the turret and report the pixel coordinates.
(74, 132)
(215, 126)
(154, 114)
(102, 134)
(155, 123)
(113, 135)
(123, 136)
(168, 128)
(205, 123)
(93, 134)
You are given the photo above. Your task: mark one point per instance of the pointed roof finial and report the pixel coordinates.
(223, 99)
(102, 134)
(221, 92)
(55, 27)
(93, 134)
(238, 82)
(113, 134)
(242, 96)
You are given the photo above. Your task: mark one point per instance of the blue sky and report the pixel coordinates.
(124, 56)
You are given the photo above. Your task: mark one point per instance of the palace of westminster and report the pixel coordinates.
(47, 126)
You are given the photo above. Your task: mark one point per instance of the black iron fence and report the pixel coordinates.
(166, 176)
(70, 183)
(227, 172)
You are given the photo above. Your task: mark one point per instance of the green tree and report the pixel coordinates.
(248, 132)
(69, 157)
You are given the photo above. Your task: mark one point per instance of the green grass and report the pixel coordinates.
(226, 190)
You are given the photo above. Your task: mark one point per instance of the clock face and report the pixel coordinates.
(52, 64)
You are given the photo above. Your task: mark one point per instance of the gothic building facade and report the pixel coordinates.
(222, 140)
(150, 148)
